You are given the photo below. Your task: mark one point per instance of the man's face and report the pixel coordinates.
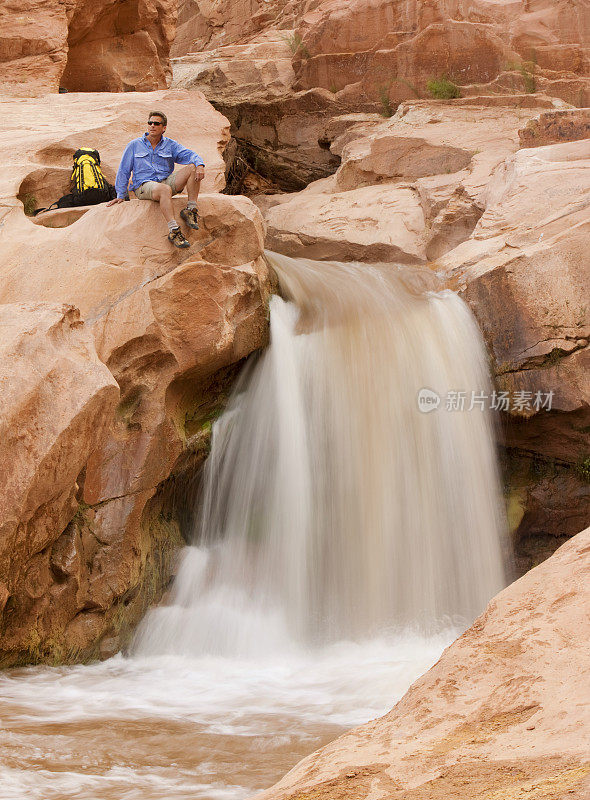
(156, 125)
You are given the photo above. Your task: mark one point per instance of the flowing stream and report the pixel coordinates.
(343, 538)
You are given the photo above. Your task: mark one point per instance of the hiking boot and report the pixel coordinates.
(177, 238)
(189, 215)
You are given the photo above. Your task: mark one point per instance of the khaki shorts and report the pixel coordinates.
(144, 192)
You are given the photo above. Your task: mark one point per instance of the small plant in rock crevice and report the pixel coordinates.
(29, 204)
(527, 71)
(443, 89)
(387, 110)
(296, 45)
(582, 469)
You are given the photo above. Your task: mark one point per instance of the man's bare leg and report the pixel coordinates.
(190, 177)
(162, 194)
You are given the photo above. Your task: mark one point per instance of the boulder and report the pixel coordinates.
(524, 273)
(552, 127)
(82, 46)
(166, 329)
(502, 714)
(375, 223)
(47, 353)
(408, 188)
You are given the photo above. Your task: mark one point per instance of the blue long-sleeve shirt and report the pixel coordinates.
(151, 164)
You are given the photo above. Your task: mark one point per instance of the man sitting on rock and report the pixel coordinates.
(151, 159)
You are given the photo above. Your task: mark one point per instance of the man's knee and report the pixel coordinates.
(164, 191)
(195, 173)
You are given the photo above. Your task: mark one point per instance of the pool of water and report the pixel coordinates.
(172, 727)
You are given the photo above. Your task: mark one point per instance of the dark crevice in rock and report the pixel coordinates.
(547, 501)
(281, 144)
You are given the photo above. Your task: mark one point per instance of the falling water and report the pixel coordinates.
(332, 506)
(343, 539)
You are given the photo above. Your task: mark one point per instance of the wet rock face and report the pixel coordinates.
(118, 351)
(86, 46)
(500, 714)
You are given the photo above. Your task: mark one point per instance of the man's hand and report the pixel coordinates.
(200, 173)
(115, 201)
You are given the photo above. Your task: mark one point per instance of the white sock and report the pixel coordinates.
(191, 204)
(173, 224)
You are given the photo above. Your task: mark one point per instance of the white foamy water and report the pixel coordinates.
(343, 539)
(171, 727)
(332, 507)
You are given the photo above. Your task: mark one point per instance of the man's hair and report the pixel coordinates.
(159, 114)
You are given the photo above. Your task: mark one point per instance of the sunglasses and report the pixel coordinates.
(154, 122)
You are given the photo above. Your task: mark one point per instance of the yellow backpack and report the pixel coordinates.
(87, 173)
(88, 184)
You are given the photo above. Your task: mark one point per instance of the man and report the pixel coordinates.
(151, 159)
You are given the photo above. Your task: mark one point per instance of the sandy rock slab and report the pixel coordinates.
(368, 224)
(408, 188)
(81, 46)
(526, 275)
(503, 715)
(120, 389)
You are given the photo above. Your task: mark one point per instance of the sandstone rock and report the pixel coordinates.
(368, 56)
(502, 714)
(408, 188)
(260, 69)
(82, 46)
(381, 223)
(554, 508)
(207, 25)
(526, 277)
(47, 353)
(393, 50)
(525, 274)
(374, 53)
(556, 126)
(169, 327)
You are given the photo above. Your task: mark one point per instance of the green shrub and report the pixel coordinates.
(443, 89)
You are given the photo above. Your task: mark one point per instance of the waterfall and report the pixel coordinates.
(332, 506)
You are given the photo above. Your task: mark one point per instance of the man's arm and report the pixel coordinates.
(182, 155)
(124, 171)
